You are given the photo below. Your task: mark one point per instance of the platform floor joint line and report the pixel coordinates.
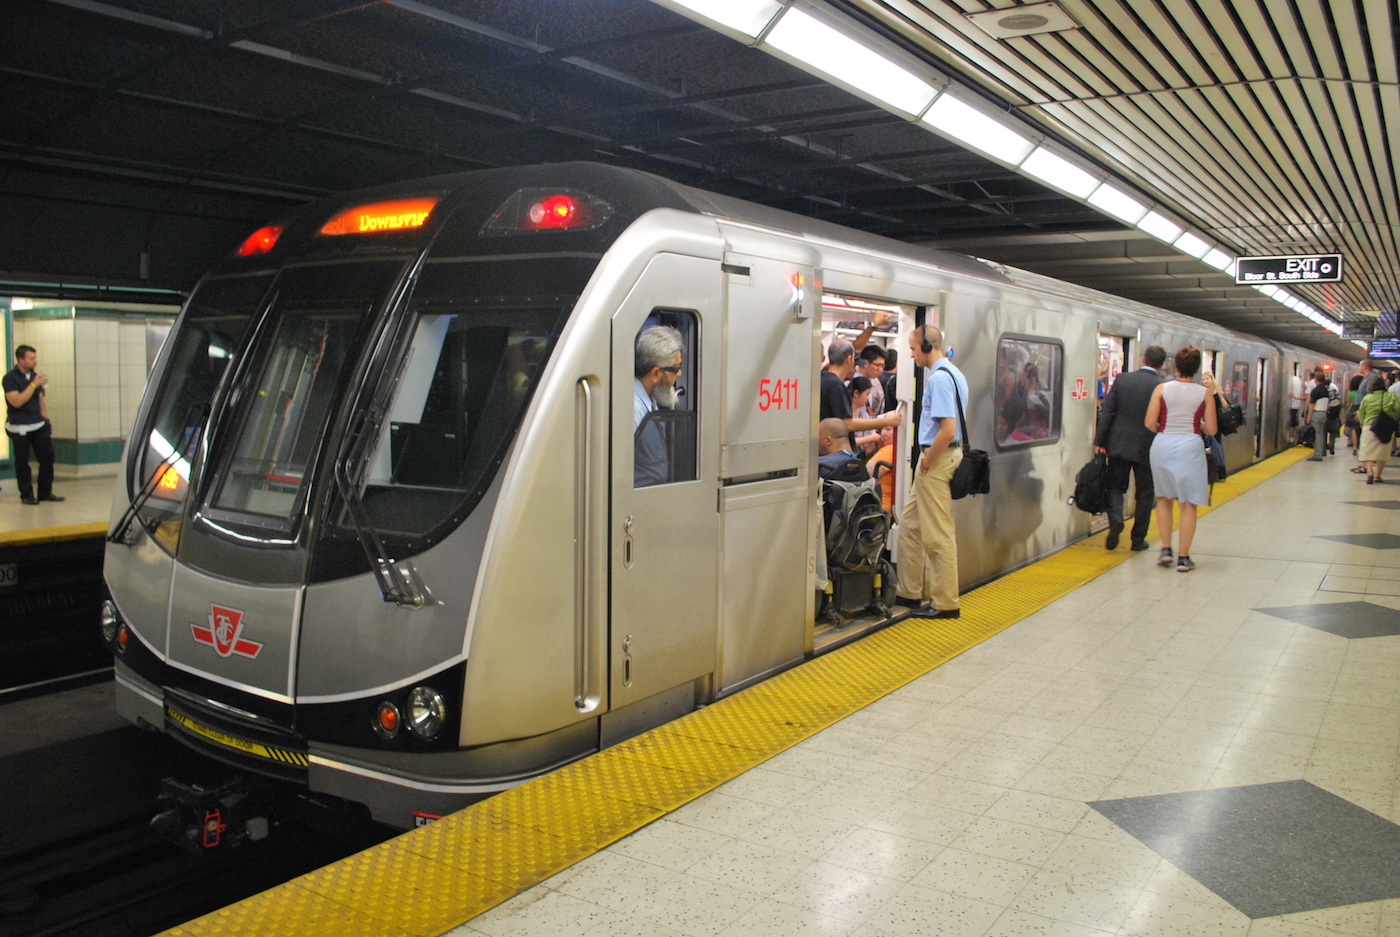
(428, 881)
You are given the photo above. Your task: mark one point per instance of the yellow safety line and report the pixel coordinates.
(433, 879)
(24, 538)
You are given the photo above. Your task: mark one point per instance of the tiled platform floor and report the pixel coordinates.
(961, 803)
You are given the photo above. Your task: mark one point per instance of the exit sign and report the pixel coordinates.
(1293, 268)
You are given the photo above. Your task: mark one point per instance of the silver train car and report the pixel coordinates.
(379, 530)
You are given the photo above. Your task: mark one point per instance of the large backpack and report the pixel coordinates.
(856, 523)
(1090, 485)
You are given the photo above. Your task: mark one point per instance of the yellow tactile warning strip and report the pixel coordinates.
(24, 538)
(430, 880)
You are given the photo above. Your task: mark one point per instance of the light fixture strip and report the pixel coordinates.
(845, 58)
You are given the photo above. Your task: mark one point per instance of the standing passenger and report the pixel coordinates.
(1178, 413)
(1318, 401)
(928, 546)
(1372, 450)
(27, 424)
(1127, 442)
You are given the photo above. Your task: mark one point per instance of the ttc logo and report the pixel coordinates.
(225, 626)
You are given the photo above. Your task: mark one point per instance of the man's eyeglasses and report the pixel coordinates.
(672, 369)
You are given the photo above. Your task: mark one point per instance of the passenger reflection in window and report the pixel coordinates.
(657, 367)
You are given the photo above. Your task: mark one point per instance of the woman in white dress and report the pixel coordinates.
(1178, 413)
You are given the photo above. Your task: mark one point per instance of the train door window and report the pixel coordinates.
(1237, 390)
(1113, 351)
(1030, 387)
(664, 399)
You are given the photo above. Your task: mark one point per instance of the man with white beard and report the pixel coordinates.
(657, 367)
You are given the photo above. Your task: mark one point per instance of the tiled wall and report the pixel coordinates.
(97, 362)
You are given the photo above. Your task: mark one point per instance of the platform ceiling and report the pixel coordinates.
(141, 139)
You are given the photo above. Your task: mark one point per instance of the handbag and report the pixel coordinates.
(1091, 485)
(1227, 418)
(973, 476)
(1384, 426)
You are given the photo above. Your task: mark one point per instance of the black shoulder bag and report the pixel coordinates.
(973, 476)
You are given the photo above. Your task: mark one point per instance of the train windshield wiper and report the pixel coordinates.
(122, 531)
(397, 582)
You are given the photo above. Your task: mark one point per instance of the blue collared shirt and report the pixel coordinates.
(939, 401)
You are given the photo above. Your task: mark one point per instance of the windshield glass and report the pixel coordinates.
(456, 403)
(206, 343)
(317, 327)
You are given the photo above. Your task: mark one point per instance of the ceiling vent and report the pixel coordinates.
(1024, 20)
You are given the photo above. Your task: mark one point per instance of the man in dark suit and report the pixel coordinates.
(1128, 442)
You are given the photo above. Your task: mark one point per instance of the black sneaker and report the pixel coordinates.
(1166, 558)
(1184, 564)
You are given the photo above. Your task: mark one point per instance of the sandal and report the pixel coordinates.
(1358, 470)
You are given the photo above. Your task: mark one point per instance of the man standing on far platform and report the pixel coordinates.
(928, 546)
(1124, 437)
(27, 425)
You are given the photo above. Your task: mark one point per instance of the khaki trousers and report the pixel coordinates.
(928, 545)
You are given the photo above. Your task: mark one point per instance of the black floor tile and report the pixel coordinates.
(1269, 849)
(1374, 541)
(1345, 619)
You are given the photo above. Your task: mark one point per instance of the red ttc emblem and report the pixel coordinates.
(223, 633)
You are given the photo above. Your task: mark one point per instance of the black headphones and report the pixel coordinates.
(927, 345)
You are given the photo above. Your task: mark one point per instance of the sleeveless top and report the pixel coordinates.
(1183, 406)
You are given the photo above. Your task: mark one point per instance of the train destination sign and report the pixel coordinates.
(1292, 268)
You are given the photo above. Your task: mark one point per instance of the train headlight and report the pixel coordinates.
(427, 712)
(387, 720)
(110, 621)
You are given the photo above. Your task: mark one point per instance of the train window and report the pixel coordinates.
(293, 382)
(664, 397)
(457, 401)
(209, 335)
(1237, 387)
(1029, 389)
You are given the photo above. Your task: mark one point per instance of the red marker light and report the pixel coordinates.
(556, 211)
(260, 241)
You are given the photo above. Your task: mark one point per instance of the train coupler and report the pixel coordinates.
(199, 819)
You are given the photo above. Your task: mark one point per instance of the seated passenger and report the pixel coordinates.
(833, 446)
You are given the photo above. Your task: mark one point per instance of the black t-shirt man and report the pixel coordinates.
(835, 400)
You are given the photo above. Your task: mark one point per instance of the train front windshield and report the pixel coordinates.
(381, 400)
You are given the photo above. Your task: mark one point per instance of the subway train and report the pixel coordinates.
(380, 530)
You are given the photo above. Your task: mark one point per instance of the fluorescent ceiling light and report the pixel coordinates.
(1117, 203)
(1191, 245)
(1218, 259)
(1159, 227)
(1269, 291)
(1059, 172)
(967, 125)
(833, 53)
(749, 17)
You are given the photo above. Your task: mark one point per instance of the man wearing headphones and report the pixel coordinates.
(928, 546)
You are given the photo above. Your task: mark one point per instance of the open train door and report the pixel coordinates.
(664, 519)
